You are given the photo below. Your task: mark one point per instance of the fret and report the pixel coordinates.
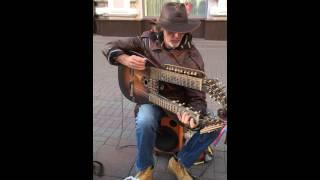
(185, 81)
(163, 103)
(174, 108)
(176, 78)
(166, 105)
(200, 84)
(196, 84)
(181, 78)
(166, 77)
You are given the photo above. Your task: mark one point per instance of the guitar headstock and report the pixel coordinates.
(215, 90)
(212, 124)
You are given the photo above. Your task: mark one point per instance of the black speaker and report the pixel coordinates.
(167, 139)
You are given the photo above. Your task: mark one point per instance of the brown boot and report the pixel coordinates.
(145, 174)
(178, 170)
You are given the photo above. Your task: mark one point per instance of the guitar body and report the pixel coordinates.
(138, 87)
(133, 83)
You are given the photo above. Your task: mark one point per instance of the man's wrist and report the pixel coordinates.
(121, 58)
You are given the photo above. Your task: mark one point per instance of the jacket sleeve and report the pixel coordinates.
(116, 48)
(197, 99)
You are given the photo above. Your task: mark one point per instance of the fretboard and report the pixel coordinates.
(176, 78)
(171, 106)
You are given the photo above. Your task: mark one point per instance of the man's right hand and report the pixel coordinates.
(133, 62)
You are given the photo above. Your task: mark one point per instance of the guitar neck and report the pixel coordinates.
(176, 78)
(172, 106)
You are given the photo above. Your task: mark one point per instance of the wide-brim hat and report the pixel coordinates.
(174, 18)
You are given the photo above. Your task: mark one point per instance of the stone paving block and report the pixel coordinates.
(108, 132)
(117, 163)
(162, 162)
(99, 138)
(97, 145)
(220, 176)
(206, 170)
(99, 132)
(163, 175)
(123, 142)
(219, 163)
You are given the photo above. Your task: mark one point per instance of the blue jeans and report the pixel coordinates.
(147, 123)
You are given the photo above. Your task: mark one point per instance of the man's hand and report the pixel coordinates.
(186, 119)
(133, 62)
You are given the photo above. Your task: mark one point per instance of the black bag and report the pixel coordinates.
(98, 168)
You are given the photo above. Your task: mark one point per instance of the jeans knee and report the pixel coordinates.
(146, 122)
(148, 117)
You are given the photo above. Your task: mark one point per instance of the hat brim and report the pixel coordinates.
(180, 27)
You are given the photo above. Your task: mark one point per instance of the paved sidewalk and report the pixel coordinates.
(109, 106)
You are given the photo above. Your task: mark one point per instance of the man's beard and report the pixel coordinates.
(173, 45)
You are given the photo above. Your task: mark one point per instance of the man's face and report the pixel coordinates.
(172, 39)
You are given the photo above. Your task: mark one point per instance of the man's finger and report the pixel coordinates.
(138, 63)
(179, 116)
(183, 119)
(192, 123)
(139, 59)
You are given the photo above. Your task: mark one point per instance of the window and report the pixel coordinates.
(218, 8)
(117, 8)
(153, 7)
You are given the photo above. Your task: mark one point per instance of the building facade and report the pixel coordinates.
(132, 17)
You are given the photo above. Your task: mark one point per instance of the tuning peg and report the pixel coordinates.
(181, 104)
(221, 93)
(195, 73)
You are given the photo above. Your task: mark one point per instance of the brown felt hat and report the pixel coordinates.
(174, 18)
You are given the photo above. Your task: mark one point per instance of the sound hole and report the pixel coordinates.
(173, 123)
(145, 82)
